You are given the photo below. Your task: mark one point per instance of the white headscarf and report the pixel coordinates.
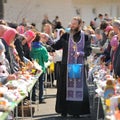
(58, 34)
(2, 47)
(2, 55)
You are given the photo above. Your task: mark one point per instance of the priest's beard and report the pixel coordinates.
(73, 31)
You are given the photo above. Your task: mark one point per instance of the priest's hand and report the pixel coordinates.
(77, 54)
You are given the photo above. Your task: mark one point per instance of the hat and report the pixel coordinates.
(9, 35)
(114, 41)
(109, 28)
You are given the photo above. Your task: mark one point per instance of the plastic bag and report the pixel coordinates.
(52, 67)
(74, 71)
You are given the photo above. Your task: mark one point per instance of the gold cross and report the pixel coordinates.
(74, 47)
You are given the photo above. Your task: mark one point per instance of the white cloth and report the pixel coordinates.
(58, 55)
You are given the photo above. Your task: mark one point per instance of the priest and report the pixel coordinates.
(72, 91)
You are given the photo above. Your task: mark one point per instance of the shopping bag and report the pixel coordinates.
(74, 71)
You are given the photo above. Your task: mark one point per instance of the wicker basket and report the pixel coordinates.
(26, 110)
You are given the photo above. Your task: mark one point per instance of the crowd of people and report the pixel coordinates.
(65, 47)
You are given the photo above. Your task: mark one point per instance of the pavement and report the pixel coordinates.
(46, 111)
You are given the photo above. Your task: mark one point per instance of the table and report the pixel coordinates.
(14, 104)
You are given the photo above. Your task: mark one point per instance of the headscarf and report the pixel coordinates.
(30, 36)
(2, 55)
(109, 28)
(58, 34)
(9, 35)
(2, 47)
(3, 28)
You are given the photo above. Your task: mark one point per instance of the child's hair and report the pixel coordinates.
(37, 38)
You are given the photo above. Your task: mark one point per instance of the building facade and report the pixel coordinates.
(33, 10)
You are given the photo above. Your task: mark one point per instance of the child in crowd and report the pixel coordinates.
(39, 53)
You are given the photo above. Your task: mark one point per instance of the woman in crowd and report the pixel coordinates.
(4, 66)
(26, 43)
(48, 30)
(58, 53)
(8, 39)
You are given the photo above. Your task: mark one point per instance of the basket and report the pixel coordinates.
(74, 71)
(26, 110)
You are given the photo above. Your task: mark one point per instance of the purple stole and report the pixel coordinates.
(74, 87)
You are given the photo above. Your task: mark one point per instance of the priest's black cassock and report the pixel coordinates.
(63, 105)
